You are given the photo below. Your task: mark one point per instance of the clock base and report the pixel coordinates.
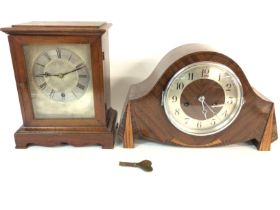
(75, 136)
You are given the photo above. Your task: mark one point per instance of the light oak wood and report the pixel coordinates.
(128, 133)
(265, 142)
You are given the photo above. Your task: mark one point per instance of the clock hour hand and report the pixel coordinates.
(217, 105)
(46, 74)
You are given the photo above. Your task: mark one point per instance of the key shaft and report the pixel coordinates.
(130, 164)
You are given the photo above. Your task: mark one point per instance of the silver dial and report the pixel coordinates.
(61, 74)
(60, 78)
(203, 98)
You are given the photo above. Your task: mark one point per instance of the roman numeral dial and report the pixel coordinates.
(61, 75)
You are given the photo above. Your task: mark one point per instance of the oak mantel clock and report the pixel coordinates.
(197, 97)
(62, 76)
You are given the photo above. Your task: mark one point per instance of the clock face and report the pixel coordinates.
(203, 98)
(61, 74)
(60, 80)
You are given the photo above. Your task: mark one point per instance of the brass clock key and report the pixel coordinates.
(145, 165)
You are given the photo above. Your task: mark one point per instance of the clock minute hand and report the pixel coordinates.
(76, 69)
(213, 112)
(204, 111)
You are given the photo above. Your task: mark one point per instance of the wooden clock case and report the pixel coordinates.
(144, 117)
(77, 132)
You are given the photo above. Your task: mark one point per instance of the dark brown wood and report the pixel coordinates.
(49, 132)
(75, 136)
(150, 122)
(210, 89)
(58, 28)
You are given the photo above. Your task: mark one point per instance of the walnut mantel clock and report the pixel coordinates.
(197, 97)
(62, 76)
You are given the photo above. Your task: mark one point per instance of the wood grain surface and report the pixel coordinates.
(78, 132)
(150, 122)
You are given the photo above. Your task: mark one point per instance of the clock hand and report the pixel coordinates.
(46, 74)
(76, 69)
(214, 113)
(203, 102)
(60, 75)
(204, 111)
(217, 105)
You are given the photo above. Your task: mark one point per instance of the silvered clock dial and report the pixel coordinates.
(203, 98)
(61, 74)
(60, 80)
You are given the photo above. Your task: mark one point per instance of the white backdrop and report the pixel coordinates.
(64, 177)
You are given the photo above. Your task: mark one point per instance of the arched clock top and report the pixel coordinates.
(197, 97)
(178, 58)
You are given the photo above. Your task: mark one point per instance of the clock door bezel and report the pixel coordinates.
(21, 75)
(230, 118)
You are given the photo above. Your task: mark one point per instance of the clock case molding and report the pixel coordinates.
(144, 117)
(77, 132)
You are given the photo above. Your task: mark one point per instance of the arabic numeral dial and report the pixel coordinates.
(203, 98)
